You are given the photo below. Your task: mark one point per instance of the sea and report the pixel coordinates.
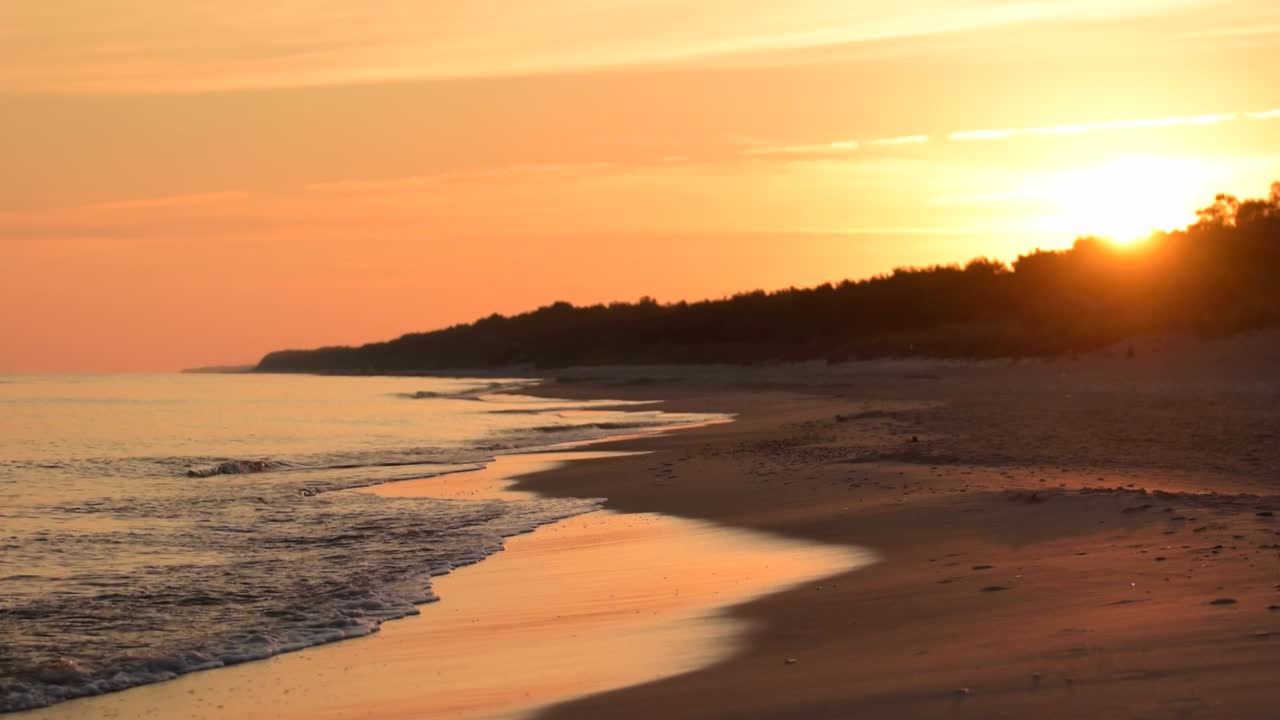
(156, 525)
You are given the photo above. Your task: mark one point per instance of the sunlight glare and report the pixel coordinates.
(1128, 198)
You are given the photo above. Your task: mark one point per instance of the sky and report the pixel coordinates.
(191, 183)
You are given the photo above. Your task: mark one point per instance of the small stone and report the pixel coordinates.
(791, 661)
(994, 588)
(1223, 601)
(963, 692)
(982, 567)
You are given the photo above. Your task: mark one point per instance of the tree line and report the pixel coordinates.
(1219, 275)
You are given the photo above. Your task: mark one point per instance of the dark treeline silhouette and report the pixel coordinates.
(1220, 275)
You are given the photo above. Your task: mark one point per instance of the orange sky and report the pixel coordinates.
(191, 183)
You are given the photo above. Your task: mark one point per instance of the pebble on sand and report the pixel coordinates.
(1223, 601)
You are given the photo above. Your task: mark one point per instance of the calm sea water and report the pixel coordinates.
(157, 525)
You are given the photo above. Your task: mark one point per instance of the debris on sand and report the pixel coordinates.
(1223, 601)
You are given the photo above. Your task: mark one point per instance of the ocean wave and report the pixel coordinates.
(475, 393)
(239, 467)
(314, 570)
(581, 427)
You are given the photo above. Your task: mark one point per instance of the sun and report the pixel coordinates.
(1126, 199)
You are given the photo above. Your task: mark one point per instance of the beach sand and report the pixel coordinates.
(1083, 538)
(1092, 537)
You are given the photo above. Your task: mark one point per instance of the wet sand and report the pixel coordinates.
(593, 603)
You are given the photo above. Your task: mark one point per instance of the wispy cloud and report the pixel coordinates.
(840, 146)
(837, 147)
(145, 46)
(846, 146)
(903, 140)
(1078, 128)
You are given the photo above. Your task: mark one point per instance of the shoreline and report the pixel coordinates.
(1084, 539)
(581, 606)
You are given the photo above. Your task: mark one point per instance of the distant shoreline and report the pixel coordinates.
(219, 370)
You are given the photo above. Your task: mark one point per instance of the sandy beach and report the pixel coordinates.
(1082, 538)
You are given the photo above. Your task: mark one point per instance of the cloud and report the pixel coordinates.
(838, 147)
(842, 147)
(903, 140)
(1076, 129)
(130, 46)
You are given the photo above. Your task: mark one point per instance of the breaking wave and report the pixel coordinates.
(243, 581)
(239, 467)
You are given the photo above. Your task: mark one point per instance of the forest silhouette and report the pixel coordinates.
(1218, 276)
